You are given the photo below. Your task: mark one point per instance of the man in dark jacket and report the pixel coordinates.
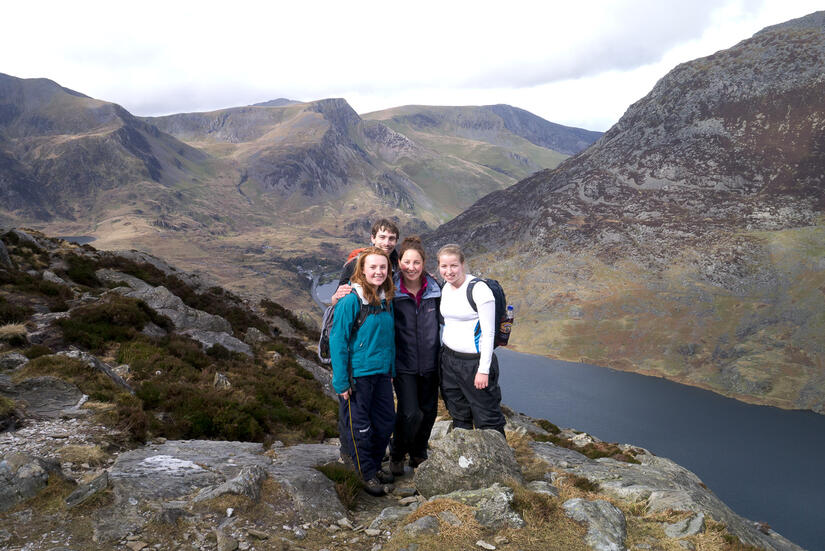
(384, 235)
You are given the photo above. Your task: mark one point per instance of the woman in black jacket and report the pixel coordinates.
(417, 343)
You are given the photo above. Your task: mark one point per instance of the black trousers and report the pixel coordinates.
(417, 397)
(369, 417)
(469, 406)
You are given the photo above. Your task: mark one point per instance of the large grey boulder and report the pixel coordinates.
(493, 505)
(23, 476)
(323, 376)
(183, 317)
(606, 525)
(467, 460)
(663, 484)
(26, 238)
(208, 339)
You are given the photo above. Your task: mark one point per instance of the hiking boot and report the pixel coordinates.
(397, 467)
(374, 487)
(416, 461)
(385, 477)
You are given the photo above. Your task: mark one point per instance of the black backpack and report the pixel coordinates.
(503, 325)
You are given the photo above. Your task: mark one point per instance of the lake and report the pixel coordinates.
(79, 239)
(764, 463)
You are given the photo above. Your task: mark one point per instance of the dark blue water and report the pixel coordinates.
(767, 464)
(79, 239)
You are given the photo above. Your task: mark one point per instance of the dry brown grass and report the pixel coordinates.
(532, 466)
(449, 537)
(93, 456)
(11, 331)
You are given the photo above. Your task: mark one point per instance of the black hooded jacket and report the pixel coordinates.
(417, 331)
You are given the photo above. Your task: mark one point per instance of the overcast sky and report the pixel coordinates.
(575, 63)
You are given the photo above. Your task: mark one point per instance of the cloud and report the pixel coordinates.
(565, 61)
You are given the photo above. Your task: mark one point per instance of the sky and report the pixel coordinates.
(574, 63)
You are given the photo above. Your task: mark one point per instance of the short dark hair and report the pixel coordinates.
(386, 225)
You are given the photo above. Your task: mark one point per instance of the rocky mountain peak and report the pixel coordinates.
(693, 221)
(338, 112)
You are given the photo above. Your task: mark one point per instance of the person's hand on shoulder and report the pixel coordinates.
(340, 292)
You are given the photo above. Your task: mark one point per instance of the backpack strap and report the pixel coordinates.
(470, 293)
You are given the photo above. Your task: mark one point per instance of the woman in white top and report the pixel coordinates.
(469, 369)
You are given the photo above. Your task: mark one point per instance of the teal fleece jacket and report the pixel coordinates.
(372, 351)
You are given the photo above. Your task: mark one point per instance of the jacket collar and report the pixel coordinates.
(360, 291)
(433, 289)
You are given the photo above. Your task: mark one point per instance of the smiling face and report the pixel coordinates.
(451, 269)
(384, 240)
(375, 269)
(412, 266)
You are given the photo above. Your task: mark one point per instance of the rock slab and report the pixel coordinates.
(606, 524)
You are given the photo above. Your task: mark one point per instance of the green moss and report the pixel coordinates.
(12, 313)
(82, 270)
(6, 407)
(37, 350)
(116, 319)
(548, 426)
(174, 381)
(56, 295)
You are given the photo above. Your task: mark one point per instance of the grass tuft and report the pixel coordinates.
(347, 483)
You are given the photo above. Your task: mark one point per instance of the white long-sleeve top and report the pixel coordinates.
(460, 321)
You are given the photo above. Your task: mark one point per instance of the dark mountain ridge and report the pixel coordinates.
(64, 148)
(701, 209)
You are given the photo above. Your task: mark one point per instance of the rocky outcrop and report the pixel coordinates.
(493, 505)
(23, 476)
(44, 397)
(606, 525)
(662, 485)
(210, 338)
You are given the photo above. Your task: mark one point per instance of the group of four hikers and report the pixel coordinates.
(394, 326)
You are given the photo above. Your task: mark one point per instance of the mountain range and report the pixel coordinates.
(688, 241)
(248, 193)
